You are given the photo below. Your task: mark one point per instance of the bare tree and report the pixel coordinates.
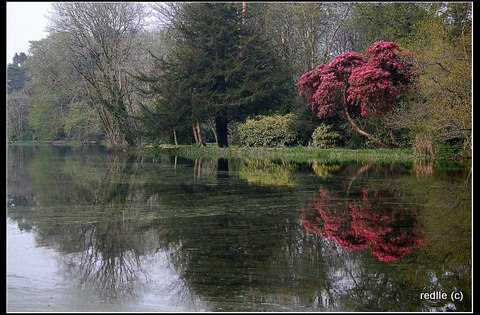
(18, 104)
(103, 39)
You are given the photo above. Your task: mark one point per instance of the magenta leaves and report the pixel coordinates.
(389, 232)
(372, 82)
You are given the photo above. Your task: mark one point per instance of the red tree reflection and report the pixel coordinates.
(389, 232)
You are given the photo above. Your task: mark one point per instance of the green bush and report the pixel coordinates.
(82, 123)
(267, 131)
(45, 117)
(325, 138)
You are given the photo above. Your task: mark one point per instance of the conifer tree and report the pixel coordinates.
(221, 68)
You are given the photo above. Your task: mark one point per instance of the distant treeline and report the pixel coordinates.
(131, 74)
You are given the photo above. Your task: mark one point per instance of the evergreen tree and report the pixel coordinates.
(16, 76)
(220, 68)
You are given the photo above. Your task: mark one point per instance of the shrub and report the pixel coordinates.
(325, 138)
(268, 131)
(424, 147)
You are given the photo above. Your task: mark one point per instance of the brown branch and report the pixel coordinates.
(446, 88)
(392, 137)
(356, 127)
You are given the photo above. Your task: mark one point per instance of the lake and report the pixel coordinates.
(89, 230)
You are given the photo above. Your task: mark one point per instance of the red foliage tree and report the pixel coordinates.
(352, 82)
(359, 225)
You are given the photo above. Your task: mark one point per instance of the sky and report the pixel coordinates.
(25, 21)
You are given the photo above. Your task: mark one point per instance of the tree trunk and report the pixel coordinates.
(362, 132)
(195, 134)
(244, 12)
(175, 136)
(221, 125)
(211, 123)
(197, 169)
(392, 137)
(199, 135)
(355, 126)
(114, 137)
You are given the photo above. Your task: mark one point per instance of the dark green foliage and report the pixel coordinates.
(218, 70)
(16, 75)
(384, 21)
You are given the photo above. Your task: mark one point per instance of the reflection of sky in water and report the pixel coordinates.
(111, 233)
(35, 283)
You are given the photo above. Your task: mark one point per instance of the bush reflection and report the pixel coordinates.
(227, 243)
(389, 232)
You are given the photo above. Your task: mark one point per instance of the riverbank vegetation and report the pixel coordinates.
(325, 79)
(297, 153)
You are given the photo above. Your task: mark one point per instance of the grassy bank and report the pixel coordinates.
(291, 153)
(62, 143)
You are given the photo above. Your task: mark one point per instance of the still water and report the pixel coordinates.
(92, 231)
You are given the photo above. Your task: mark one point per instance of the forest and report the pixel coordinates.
(318, 74)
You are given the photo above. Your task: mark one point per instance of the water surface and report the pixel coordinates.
(92, 231)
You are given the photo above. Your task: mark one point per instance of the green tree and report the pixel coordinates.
(442, 111)
(17, 110)
(82, 123)
(221, 66)
(54, 84)
(102, 42)
(16, 75)
(17, 98)
(384, 21)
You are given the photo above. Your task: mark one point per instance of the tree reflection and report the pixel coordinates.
(108, 250)
(233, 244)
(423, 168)
(109, 262)
(89, 215)
(388, 230)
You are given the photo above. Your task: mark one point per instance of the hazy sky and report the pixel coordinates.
(25, 21)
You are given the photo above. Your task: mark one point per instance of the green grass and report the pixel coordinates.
(298, 153)
(68, 143)
(31, 143)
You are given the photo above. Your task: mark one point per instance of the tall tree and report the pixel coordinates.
(16, 75)
(221, 65)
(55, 86)
(102, 38)
(387, 21)
(443, 45)
(17, 98)
(17, 110)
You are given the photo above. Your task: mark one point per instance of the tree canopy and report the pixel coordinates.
(353, 83)
(221, 67)
(378, 74)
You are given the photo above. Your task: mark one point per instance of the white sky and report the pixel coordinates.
(26, 21)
